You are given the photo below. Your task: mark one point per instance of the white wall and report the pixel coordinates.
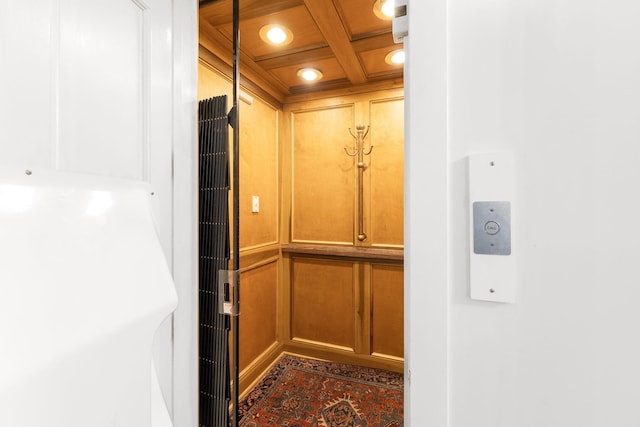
(185, 213)
(557, 82)
(426, 217)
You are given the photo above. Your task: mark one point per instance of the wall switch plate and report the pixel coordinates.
(492, 260)
(255, 204)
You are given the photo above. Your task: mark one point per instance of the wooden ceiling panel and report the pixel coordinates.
(330, 68)
(374, 63)
(360, 19)
(343, 38)
(305, 32)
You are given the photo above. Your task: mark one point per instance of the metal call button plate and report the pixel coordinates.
(492, 228)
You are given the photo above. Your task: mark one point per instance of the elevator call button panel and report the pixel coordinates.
(492, 228)
(492, 231)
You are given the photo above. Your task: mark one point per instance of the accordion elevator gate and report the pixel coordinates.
(219, 287)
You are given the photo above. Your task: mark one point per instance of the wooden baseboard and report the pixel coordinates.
(252, 373)
(316, 351)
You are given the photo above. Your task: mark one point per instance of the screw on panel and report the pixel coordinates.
(28, 172)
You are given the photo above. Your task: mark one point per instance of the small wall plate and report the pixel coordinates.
(492, 228)
(492, 260)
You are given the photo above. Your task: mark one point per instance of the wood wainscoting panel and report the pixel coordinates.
(259, 174)
(258, 296)
(323, 177)
(387, 172)
(323, 302)
(387, 312)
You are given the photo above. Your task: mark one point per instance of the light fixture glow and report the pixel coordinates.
(276, 35)
(387, 8)
(398, 57)
(395, 57)
(384, 9)
(310, 74)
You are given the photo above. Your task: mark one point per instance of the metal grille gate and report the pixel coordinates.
(214, 253)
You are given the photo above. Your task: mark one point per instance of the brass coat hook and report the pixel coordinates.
(360, 151)
(358, 142)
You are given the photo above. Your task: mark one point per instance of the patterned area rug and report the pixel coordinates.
(299, 392)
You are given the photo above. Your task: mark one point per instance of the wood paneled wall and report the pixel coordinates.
(345, 309)
(259, 160)
(339, 303)
(322, 302)
(322, 195)
(386, 172)
(258, 311)
(322, 184)
(387, 310)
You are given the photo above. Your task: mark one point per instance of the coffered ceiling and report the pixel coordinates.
(344, 39)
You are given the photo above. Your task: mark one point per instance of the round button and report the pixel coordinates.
(492, 227)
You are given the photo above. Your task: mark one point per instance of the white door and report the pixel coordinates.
(89, 86)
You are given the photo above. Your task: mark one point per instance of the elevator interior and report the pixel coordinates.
(321, 178)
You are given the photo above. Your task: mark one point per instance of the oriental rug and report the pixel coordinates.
(300, 392)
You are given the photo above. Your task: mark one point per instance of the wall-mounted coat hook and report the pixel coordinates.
(360, 151)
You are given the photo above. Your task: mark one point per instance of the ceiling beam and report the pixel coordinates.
(297, 58)
(303, 94)
(328, 20)
(375, 42)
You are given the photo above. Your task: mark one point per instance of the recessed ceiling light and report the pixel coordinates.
(383, 9)
(310, 74)
(395, 57)
(276, 35)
